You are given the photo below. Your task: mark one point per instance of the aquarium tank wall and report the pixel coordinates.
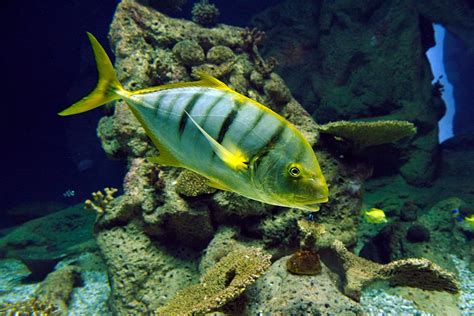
(237, 158)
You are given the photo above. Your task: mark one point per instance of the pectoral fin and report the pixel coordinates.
(234, 161)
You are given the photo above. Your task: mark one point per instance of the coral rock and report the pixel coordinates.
(205, 13)
(189, 53)
(279, 292)
(190, 183)
(359, 272)
(408, 213)
(365, 134)
(418, 233)
(304, 262)
(221, 284)
(219, 54)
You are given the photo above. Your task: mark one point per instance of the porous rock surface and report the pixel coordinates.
(279, 292)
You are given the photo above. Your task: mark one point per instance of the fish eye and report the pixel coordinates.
(294, 171)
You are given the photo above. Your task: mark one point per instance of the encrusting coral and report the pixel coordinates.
(365, 134)
(100, 201)
(222, 283)
(190, 183)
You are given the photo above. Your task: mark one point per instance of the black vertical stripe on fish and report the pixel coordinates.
(228, 121)
(158, 103)
(265, 149)
(300, 154)
(210, 108)
(188, 108)
(250, 129)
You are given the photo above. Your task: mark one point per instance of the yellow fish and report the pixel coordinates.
(470, 220)
(375, 216)
(237, 143)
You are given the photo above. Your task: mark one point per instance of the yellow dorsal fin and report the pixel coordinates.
(211, 81)
(206, 80)
(236, 162)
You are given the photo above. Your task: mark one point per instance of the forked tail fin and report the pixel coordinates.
(108, 87)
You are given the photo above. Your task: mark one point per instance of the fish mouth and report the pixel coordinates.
(310, 205)
(314, 207)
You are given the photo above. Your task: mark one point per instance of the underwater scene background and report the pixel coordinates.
(382, 91)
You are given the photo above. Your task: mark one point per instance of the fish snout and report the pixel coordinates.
(320, 189)
(315, 190)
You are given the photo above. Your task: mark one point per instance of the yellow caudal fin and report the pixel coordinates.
(108, 87)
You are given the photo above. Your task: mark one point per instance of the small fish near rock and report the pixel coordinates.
(375, 216)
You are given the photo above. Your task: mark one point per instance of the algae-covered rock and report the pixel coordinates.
(188, 52)
(152, 235)
(205, 13)
(365, 134)
(219, 54)
(435, 234)
(222, 283)
(43, 242)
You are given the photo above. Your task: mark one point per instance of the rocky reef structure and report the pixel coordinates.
(433, 235)
(50, 298)
(41, 243)
(385, 76)
(359, 272)
(168, 239)
(205, 13)
(224, 282)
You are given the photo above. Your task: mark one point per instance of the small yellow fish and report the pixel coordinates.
(375, 216)
(470, 220)
(237, 143)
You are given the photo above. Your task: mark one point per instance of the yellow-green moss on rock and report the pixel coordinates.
(365, 134)
(222, 283)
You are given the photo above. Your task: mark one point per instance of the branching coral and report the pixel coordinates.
(222, 283)
(365, 134)
(205, 13)
(100, 201)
